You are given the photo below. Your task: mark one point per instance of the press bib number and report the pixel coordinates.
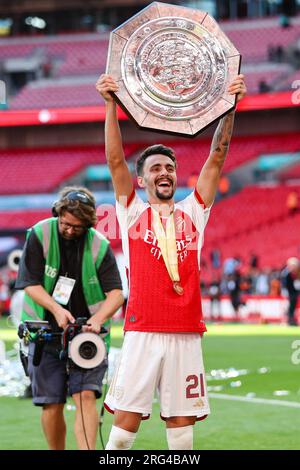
(63, 290)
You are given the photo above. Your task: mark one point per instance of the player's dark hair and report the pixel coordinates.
(157, 149)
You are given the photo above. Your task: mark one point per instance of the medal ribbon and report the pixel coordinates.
(167, 243)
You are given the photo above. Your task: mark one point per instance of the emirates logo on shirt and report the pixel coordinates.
(181, 245)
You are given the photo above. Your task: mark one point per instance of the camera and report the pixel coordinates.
(84, 349)
(36, 331)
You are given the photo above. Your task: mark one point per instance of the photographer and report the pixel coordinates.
(68, 271)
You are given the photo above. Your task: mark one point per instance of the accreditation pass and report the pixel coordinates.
(63, 289)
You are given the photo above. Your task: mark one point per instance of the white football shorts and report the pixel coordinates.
(170, 363)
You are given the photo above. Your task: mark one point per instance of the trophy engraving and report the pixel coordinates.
(173, 68)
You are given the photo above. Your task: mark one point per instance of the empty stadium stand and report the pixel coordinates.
(21, 169)
(253, 38)
(21, 220)
(56, 95)
(288, 82)
(255, 220)
(76, 54)
(268, 74)
(192, 154)
(25, 171)
(87, 52)
(43, 170)
(84, 55)
(292, 173)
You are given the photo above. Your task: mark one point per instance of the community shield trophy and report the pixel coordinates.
(173, 66)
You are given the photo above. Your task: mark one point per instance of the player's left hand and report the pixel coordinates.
(238, 87)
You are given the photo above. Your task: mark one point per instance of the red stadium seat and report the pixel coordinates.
(26, 171)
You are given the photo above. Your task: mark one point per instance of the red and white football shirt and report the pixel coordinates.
(153, 305)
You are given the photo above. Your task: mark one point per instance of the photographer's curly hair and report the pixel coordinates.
(84, 209)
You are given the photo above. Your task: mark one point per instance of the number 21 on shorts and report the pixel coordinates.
(195, 386)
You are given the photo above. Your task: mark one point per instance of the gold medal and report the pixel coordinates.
(178, 288)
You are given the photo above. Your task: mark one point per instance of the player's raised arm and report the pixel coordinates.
(208, 180)
(121, 177)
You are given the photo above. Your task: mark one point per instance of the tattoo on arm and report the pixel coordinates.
(222, 137)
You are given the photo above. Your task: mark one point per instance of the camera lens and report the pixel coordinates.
(87, 350)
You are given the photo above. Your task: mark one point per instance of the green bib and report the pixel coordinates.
(95, 248)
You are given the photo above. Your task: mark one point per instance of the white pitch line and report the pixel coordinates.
(262, 401)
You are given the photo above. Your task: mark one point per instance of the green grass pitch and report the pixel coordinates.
(263, 352)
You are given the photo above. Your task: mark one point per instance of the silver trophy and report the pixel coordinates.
(173, 66)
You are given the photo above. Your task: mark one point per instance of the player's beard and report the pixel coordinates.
(165, 197)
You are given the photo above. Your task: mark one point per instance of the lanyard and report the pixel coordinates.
(166, 240)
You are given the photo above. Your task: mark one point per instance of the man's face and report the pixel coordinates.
(159, 177)
(70, 227)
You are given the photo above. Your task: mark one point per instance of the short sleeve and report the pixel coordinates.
(108, 272)
(128, 215)
(196, 209)
(32, 263)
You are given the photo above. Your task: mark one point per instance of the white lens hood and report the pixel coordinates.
(75, 344)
